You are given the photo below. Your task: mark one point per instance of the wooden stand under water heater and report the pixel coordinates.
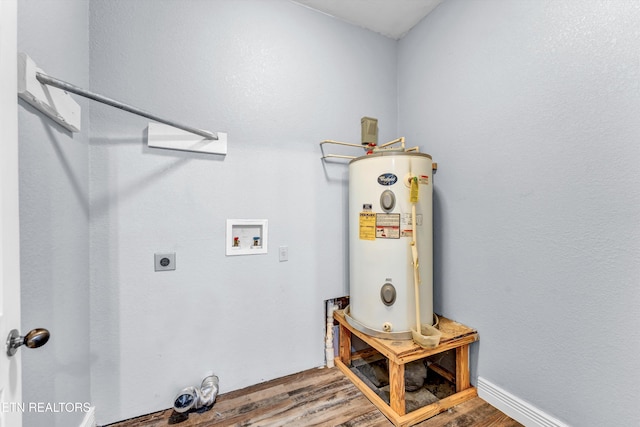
(400, 352)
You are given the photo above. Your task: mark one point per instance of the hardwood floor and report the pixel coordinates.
(317, 397)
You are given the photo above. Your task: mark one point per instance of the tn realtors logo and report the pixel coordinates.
(45, 407)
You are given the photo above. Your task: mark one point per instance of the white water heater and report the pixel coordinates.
(382, 296)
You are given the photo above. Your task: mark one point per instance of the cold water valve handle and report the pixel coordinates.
(34, 339)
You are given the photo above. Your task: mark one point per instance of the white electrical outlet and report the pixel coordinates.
(165, 261)
(284, 253)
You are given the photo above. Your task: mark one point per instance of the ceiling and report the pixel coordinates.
(391, 18)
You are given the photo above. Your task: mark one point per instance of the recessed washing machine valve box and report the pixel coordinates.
(246, 237)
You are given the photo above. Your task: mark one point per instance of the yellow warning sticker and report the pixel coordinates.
(413, 192)
(367, 226)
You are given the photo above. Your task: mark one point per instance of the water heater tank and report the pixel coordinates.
(382, 301)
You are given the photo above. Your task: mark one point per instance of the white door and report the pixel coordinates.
(10, 367)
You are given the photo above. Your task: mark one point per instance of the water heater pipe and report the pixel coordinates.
(432, 338)
(416, 272)
(395, 141)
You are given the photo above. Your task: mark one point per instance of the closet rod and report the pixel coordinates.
(51, 81)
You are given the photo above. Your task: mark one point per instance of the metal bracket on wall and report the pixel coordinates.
(51, 96)
(55, 103)
(171, 138)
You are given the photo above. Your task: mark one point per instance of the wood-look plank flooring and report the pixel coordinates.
(317, 397)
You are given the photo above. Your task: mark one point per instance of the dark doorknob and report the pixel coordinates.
(34, 339)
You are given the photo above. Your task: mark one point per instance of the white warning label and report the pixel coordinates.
(387, 226)
(406, 225)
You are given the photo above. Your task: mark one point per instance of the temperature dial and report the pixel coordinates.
(387, 201)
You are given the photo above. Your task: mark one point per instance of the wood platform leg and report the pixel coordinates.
(462, 368)
(345, 345)
(396, 386)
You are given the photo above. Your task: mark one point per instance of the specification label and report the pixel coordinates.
(387, 226)
(407, 225)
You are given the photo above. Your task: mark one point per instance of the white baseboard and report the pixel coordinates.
(515, 407)
(90, 417)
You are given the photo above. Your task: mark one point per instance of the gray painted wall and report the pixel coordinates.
(54, 217)
(279, 78)
(531, 109)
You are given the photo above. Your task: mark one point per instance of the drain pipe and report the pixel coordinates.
(209, 390)
(328, 343)
(195, 398)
